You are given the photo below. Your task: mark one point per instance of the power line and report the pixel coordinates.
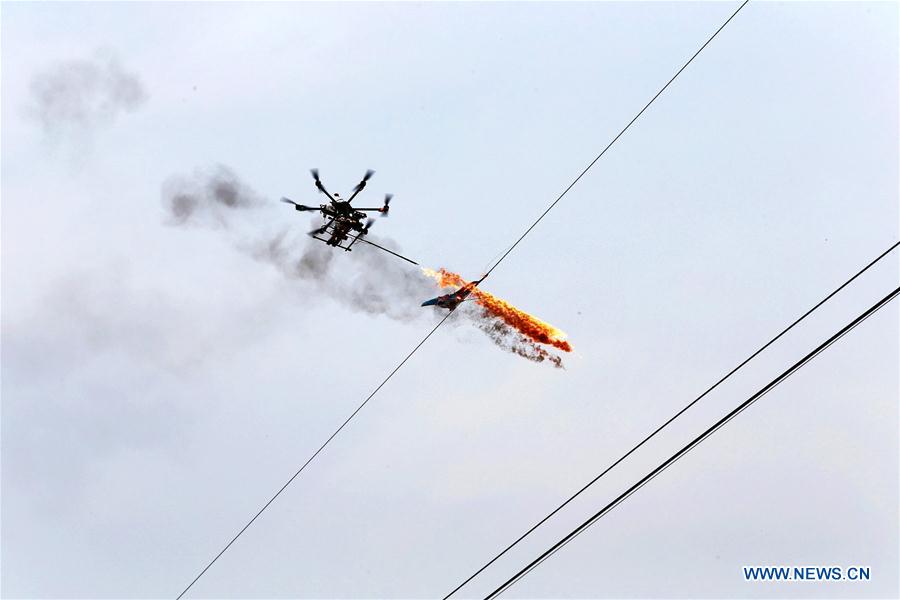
(615, 139)
(311, 458)
(693, 443)
(671, 419)
(419, 345)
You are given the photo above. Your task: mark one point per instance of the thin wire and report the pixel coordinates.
(693, 443)
(315, 454)
(409, 260)
(608, 146)
(671, 419)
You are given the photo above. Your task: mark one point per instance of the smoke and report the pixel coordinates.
(364, 279)
(511, 340)
(208, 197)
(80, 95)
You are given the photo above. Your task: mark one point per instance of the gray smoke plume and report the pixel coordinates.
(365, 279)
(83, 94)
(208, 197)
(511, 340)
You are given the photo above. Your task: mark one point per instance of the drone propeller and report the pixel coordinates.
(387, 203)
(366, 178)
(319, 186)
(369, 223)
(319, 231)
(298, 206)
(361, 185)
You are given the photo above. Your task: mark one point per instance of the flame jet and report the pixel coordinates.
(528, 325)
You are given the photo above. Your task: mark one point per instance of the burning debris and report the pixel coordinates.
(511, 340)
(510, 328)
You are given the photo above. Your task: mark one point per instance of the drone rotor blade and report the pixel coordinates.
(387, 205)
(301, 207)
(315, 174)
(319, 186)
(361, 185)
(365, 179)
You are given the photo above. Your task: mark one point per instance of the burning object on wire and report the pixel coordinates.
(508, 326)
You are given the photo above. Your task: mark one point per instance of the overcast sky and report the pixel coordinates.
(161, 382)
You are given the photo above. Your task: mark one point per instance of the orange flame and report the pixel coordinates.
(530, 326)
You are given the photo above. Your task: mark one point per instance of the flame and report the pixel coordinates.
(530, 326)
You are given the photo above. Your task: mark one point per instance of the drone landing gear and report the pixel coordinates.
(347, 248)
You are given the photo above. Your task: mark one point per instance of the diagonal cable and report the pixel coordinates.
(311, 458)
(615, 139)
(693, 443)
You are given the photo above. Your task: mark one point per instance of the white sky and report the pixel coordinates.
(158, 385)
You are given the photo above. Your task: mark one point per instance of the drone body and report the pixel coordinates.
(343, 221)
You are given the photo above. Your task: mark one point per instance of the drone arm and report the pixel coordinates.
(318, 182)
(382, 209)
(358, 189)
(361, 185)
(298, 206)
(323, 190)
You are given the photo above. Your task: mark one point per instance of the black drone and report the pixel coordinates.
(343, 221)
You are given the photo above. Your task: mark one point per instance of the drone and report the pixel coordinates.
(343, 221)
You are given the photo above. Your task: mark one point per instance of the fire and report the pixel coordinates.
(530, 326)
